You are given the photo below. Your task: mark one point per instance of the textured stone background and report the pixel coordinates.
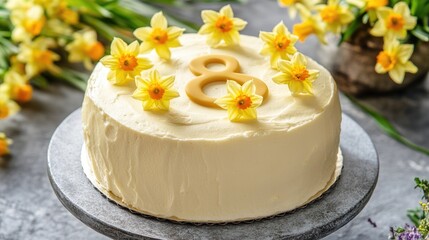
(30, 210)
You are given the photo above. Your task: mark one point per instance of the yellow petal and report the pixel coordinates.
(174, 43)
(206, 29)
(282, 78)
(170, 94)
(223, 102)
(397, 74)
(410, 67)
(239, 24)
(118, 46)
(233, 114)
(404, 52)
(146, 47)
(109, 61)
(174, 32)
(163, 51)
(143, 33)
(209, 16)
(266, 36)
(168, 81)
(227, 11)
(248, 88)
(233, 88)
(159, 21)
(402, 8)
(143, 63)
(380, 69)
(280, 28)
(249, 114)
(256, 101)
(299, 58)
(154, 76)
(133, 48)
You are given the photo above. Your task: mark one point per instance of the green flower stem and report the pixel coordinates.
(387, 127)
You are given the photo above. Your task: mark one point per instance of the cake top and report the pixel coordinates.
(187, 120)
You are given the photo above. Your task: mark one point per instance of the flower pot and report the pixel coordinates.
(354, 66)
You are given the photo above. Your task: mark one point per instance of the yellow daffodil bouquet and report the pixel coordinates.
(400, 26)
(44, 40)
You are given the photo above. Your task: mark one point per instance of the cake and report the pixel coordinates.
(192, 163)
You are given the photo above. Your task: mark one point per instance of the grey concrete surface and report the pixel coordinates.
(30, 210)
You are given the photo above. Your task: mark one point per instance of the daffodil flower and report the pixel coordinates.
(295, 74)
(159, 36)
(85, 48)
(155, 92)
(16, 86)
(4, 144)
(221, 26)
(28, 20)
(292, 5)
(394, 23)
(394, 59)
(310, 25)
(8, 107)
(370, 6)
(278, 44)
(335, 15)
(241, 101)
(124, 62)
(37, 56)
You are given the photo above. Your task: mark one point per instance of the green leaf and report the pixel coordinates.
(420, 34)
(73, 77)
(387, 127)
(89, 7)
(40, 82)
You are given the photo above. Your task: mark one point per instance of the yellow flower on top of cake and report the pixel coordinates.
(8, 107)
(296, 75)
(37, 57)
(4, 144)
(394, 59)
(394, 23)
(85, 48)
(221, 26)
(292, 5)
(156, 91)
(278, 44)
(125, 62)
(241, 101)
(335, 15)
(159, 36)
(17, 87)
(28, 20)
(310, 25)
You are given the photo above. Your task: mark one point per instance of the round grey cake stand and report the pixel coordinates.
(318, 219)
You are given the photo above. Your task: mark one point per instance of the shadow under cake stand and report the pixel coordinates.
(333, 210)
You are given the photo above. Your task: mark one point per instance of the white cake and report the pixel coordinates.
(193, 164)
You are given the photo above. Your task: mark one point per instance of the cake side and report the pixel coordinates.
(193, 164)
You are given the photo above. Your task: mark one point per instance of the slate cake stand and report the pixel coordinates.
(325, 215)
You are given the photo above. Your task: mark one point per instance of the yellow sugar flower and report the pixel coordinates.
(292, 5)
(159, 36)
(241, 101)
(37, 56)
(124, 62)
(85, 48)
(155, 92)
(394, 59)
(4, 144)
(28, 20)
(278, 44)
(310, 25)
(295, 74)
(221, 26)
(17, 87)
(394, 22)
(8, 107)
(335, 15)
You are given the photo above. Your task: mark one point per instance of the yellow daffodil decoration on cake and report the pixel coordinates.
(221, 26)
(155, 91)
(241, 101)
(159, 36)
(125, 62)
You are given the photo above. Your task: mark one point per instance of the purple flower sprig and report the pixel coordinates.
(406, 233)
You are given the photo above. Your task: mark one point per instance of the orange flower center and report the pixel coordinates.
(303, 30)
(69, 16)
(159, 36)
(281, 42)
(34, 27)
(329, 14)
(373, 4)
(395, 21)
(44, 58)
(128, 62)
(3, 147)
(4, 111)
(23, 93)
(224, 24)
(243, 102)
(300, 73)
(156, 91)
(386, 60)
(95, 51)
(287, 2)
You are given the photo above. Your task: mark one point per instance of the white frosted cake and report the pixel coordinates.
(192, 163)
